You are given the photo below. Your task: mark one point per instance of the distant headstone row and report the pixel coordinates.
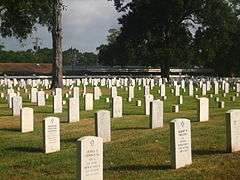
(90, 148)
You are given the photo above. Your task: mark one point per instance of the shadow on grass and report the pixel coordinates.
(25, 149)
(10, 129)
(64, 121)
(139, 168)
(194, 121)
(207, 152)
(70, 140)
(48, 111)
(6, 114)
(134, 114)
(131, 128)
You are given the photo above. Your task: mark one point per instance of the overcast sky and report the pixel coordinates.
(86, 23)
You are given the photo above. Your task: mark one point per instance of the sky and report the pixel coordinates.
(85, 22)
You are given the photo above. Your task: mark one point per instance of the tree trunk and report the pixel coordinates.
(57, 37)
(165, 70)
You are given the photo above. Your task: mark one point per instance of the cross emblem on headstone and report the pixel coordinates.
(92, 142)
(182, 124)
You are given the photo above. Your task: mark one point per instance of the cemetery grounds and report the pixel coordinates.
(135, 151)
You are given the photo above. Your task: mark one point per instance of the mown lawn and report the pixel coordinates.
(135, 152)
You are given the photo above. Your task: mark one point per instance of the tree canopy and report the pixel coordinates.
(166, 33)
(18, 18)
(180, 33)
(44, 55)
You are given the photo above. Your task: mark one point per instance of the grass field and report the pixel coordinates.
(135, 152)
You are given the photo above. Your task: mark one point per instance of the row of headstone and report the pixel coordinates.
(180, 128)
(90, 149)
(97, 92)
(74, 115)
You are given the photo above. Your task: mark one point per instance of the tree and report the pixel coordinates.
(113, 35)
(57, 37)
(19, 17)
(156, 30)
(109, 54)
(215, 42)
(43, 55)
(161, 32)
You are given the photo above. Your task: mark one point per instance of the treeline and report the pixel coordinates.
(70, 56)
(176, 33)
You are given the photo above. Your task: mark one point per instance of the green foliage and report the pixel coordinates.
(19, 17)
(115, 52)
(45, 56)
(113, 35)
(73, 56)
(177, 33)
(18, 57)
(155, 33)
(216, 44)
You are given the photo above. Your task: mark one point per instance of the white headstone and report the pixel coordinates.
(51, 134)
(58, 92)
(148, 98)
(113, 92)
(162, 90)
(156, 114)
(16, 105)
(177, 90)
(27, 120)
(203, 109)
(88, 102)
(180, 138)
(221, 104)
(41, 98)
(233, 130)
(76, 92)
(96, 93)
(34, 95)
(73, 110)
(90, 158)
(204, 90)
(117, 107)
(130, 92)
(226, 88)
(57, 104)
(180, 100)
(215, 88)
(139, 103)
(103, 125)
(238, 87)
(146, 90)
(233, 98)
(190, 89)
(10, 97)
(175, 108)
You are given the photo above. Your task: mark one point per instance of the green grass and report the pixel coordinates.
(135, 152)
